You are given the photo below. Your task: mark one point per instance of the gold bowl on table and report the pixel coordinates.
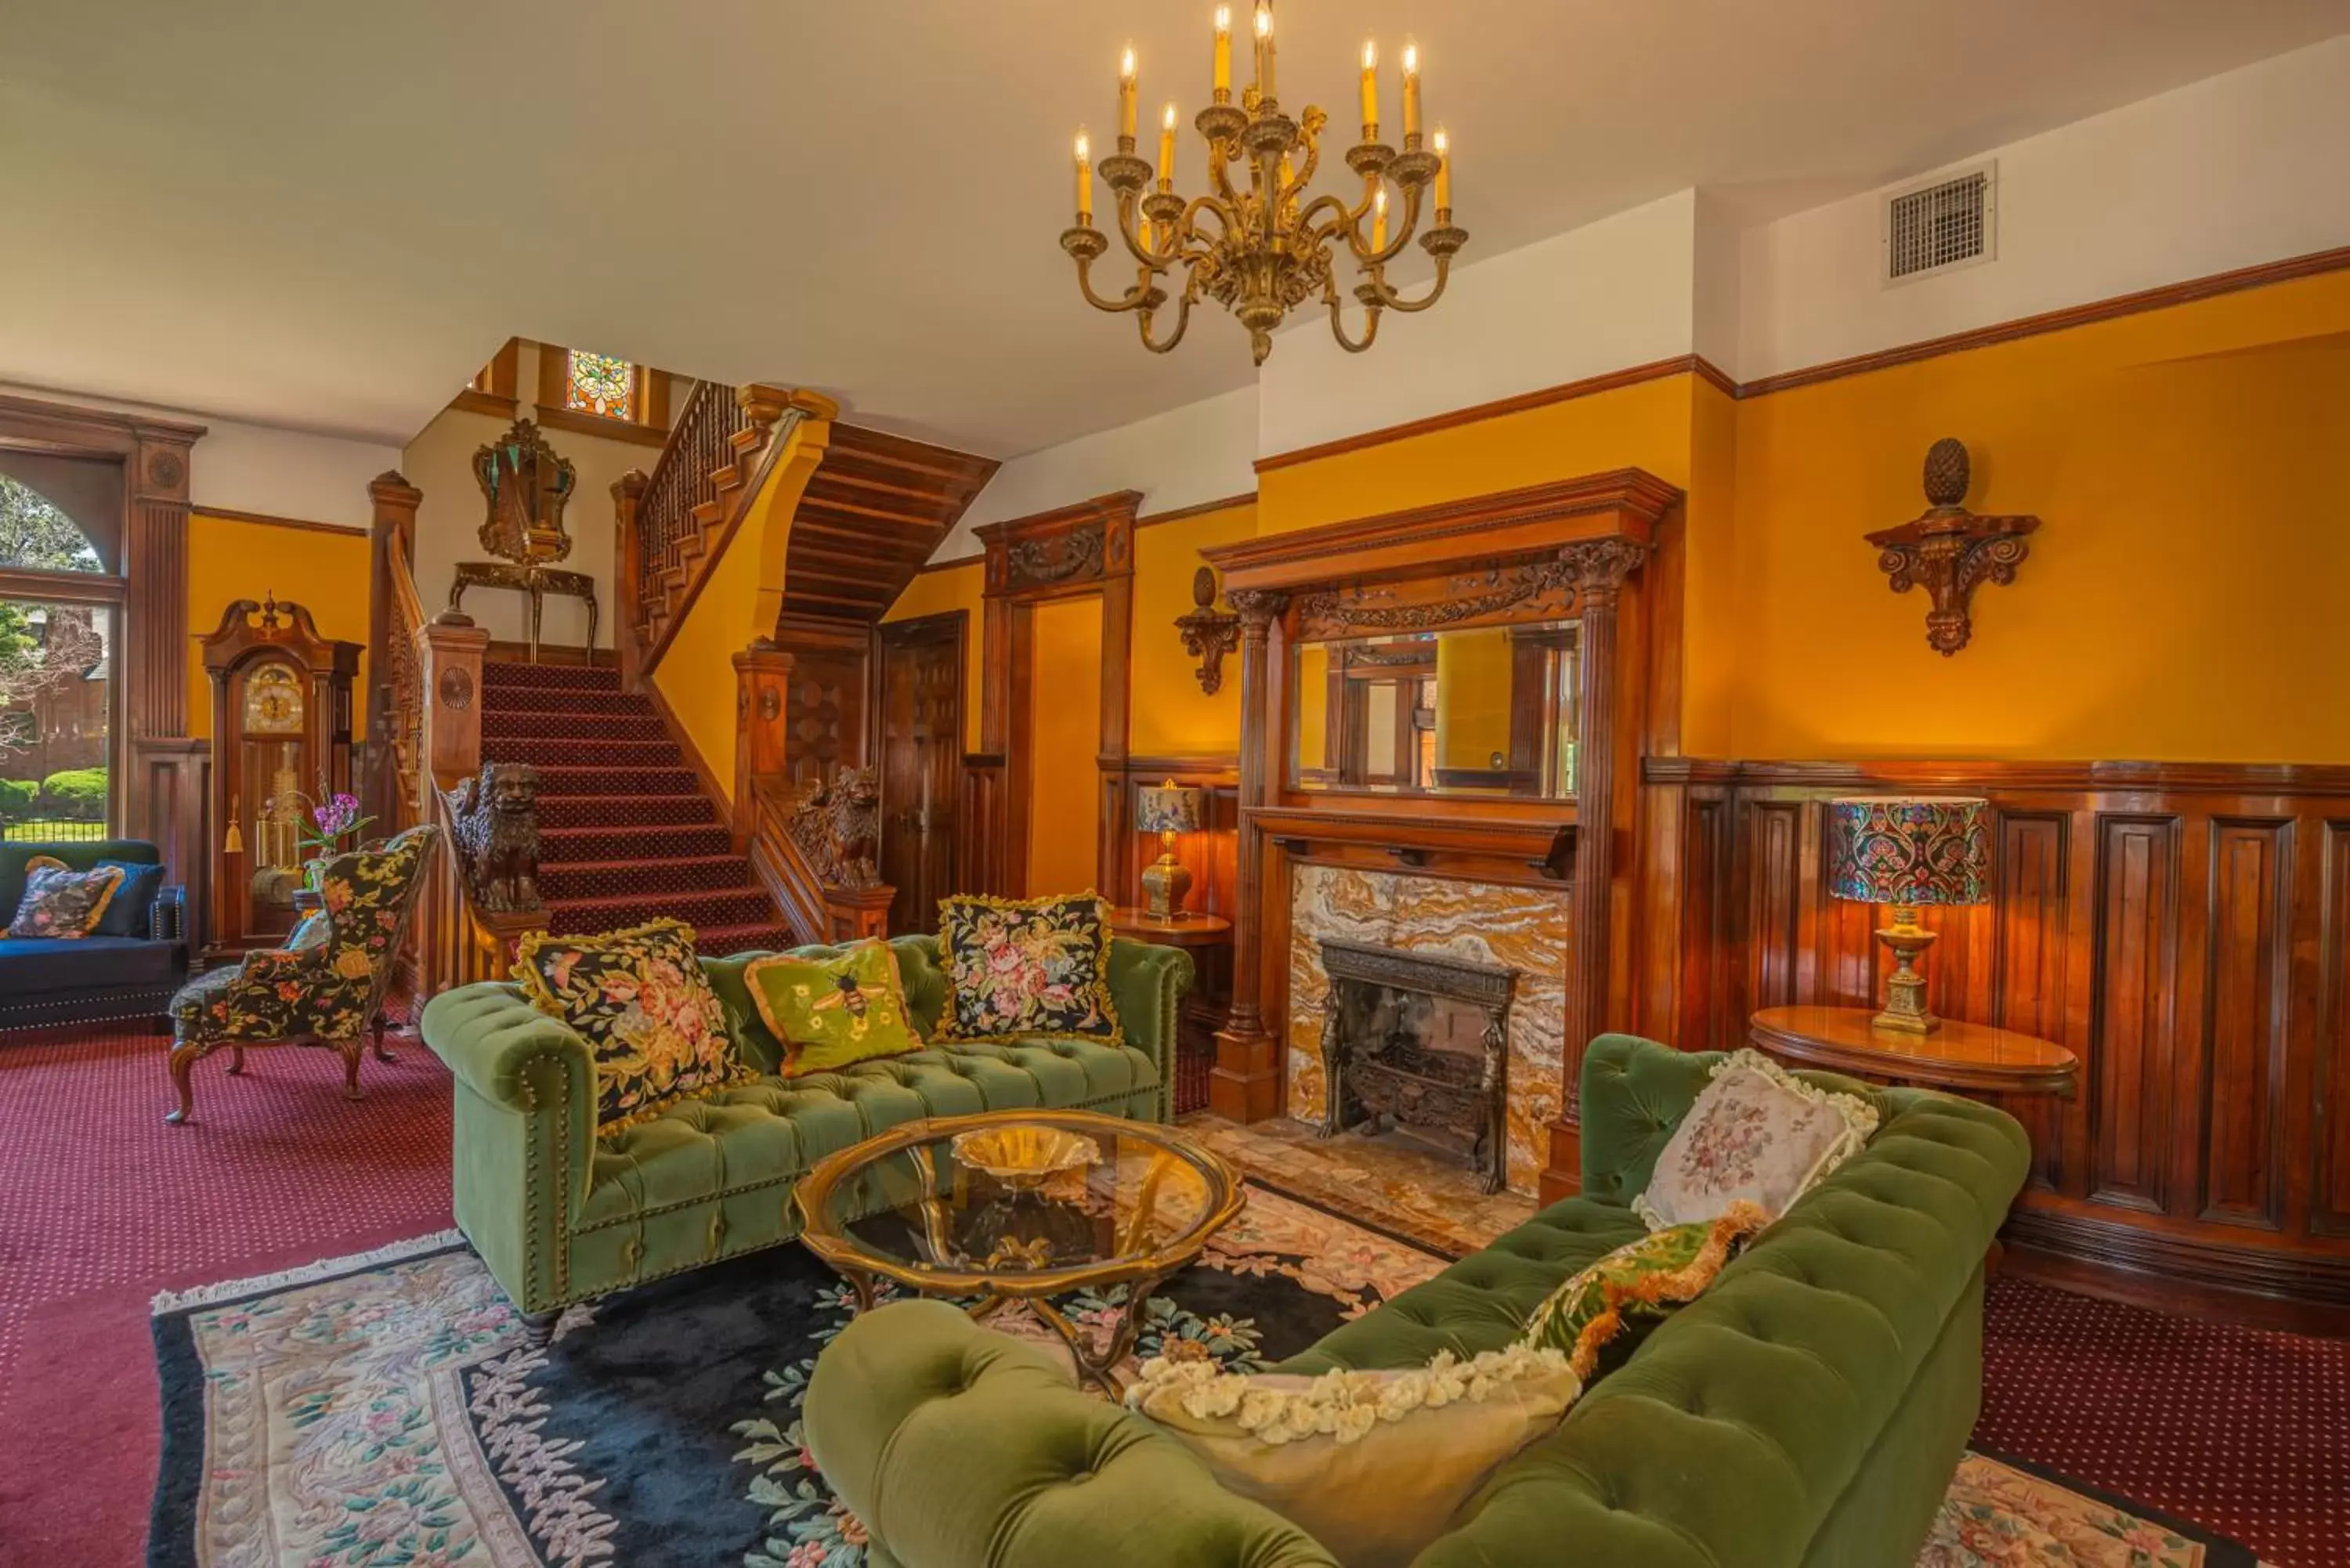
(1025, 1156)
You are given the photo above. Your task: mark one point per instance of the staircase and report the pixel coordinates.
(626, 832)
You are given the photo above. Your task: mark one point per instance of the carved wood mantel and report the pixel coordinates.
(1602, 549)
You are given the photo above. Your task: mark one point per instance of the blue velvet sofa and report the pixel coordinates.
(128, 973)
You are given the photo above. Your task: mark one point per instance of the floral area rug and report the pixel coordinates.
(384, 1413)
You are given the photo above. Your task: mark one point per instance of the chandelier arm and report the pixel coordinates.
(1219, 179)
(1341, 220)
(1132, 300)
(1338, 323)
(1205, 206)
(1394, 301)
(1409, 226)
(1129, 223)
(1182, 322)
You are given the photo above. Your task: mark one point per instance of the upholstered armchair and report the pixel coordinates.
(328, 985)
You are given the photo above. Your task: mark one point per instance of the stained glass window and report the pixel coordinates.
(600, 384)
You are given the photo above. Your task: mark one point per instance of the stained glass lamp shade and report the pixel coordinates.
(1166, 810)
(1908, 851)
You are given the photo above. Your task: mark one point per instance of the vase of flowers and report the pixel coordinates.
(333, 821)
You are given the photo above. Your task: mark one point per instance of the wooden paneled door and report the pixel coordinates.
(922, 764)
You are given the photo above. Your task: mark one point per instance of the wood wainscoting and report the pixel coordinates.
(2183, 928)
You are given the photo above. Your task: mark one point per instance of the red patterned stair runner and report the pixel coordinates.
(627, 834)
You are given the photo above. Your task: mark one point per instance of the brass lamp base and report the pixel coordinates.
(1165, 881)
(1905, 989)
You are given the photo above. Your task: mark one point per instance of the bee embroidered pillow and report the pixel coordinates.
(1036, 967)
(830, 1013)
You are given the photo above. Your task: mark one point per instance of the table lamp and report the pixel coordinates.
(1908, 851)
(1167, 809)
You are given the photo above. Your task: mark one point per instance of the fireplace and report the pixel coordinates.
(1419, 1040)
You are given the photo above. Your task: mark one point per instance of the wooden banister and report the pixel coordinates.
(672, 524)
(814, 910)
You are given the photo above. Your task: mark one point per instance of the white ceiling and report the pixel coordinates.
(327, 215)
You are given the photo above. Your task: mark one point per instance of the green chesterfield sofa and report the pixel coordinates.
(1809, 1409)
(561, 1215)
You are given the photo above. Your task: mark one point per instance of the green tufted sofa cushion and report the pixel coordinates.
(1809, 1409)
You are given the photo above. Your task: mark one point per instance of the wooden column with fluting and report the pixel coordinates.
(153, 631)
(1245, 1083)
(392, 548)
(763, 675)
(1114, 826)
(449, 652)
(628, 570)
(1600, 568)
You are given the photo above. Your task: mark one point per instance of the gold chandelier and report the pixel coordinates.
(1261, 249)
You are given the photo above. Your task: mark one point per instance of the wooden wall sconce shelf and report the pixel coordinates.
(1209, 633)
(1950, 549)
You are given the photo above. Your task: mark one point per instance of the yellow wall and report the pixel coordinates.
(2184, 597)
(1171, 715)
(1064, 722)
(951, 588)
(737, 603)
(1472, 698)
(323, 572)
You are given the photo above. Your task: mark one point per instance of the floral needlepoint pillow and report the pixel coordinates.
(639, 999)
(832, 1013)
(1757, 1135)
(60, 902)
(1643, 1278)
(1037, 967)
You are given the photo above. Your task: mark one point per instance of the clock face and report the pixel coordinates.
(273, 701)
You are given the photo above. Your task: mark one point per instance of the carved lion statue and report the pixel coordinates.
(837, 827)
(495, 820)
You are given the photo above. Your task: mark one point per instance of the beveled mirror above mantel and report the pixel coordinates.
(1481, 712)
(1444, 710)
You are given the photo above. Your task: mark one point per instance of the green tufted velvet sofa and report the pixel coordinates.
(561, 1215)
(1809, 1409)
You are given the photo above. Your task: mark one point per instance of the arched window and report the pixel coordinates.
(56, 639)
(35, 536)
(599, 384)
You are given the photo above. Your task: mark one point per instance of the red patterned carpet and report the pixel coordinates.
(2242, 1431)
(626, 832)
(101, 1205)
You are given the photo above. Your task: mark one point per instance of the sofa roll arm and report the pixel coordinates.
(1147, 983)
(515, 1056)
(167, 917)
(957, 1447)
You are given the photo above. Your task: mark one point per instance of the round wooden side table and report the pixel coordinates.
(1181, 932)
(1970, 1058)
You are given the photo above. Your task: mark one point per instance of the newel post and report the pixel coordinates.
(1247, 1075)
(763, 677)
(449, 652)
(628, 575)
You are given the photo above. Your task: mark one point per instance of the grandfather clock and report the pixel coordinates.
(281, 743)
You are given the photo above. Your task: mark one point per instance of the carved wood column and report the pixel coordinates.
(627, 567)
(1599, 568)
(762, 677)
(154, 629)
(1116, 818)
(1245, 1083)
(392, 548)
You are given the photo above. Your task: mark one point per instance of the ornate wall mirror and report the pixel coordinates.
(1480, 711)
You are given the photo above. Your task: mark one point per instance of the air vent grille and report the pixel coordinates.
(1935, 227)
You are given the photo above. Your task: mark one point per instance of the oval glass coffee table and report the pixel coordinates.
(1008, 1206)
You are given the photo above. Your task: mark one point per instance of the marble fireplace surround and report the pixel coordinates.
(1521, 928)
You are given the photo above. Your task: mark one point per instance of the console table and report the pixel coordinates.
(532, 580)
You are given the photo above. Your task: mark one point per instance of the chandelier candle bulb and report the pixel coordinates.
(1084, 182)
(1370, 90)
(1166, 150)
(1444, 171)
(1223, 54)
(1410, 92)
(1379, 220)
(1264, 52)
(1126, 99)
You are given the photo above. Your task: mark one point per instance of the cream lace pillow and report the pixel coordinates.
(1373, 1465)
(1757, 1135)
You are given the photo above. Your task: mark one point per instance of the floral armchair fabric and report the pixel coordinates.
(330, 991)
